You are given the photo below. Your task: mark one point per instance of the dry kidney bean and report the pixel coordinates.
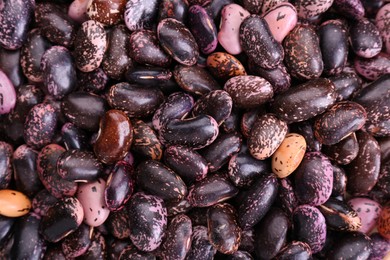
(276, 104)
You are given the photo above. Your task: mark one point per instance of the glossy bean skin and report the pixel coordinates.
(178, 238)
(157, 179)
(118, 224)
(345, 84)
(42, 201)
(178, 41)
(224, 66)
(217, 103)
(310, 227)
(257, 41)
(146, 142)
(368, 211)
(334, 46)
(351, 8)
(340, 216)
(210, 191)
(380, 246)
(365, 39)
(6, 161)
(74, 137)
(115, 128)
(279, 78)
(132, 253)
(243, 169)
(106, 12)
(140, 14)
(378, 118)
(24, 164)
(314, 179)
(57, 26)
(340, 181)
(146, 50)
(363, 172)
(219, 152)
(306, 129)
(195, 80)
(305, 100)
(286, 197)
(351, 245)
(200, 245)
(97, 250)
(134, 100)
(295, 250)
(373, 92)
(93, 82)
(147, 235)
(281, 18)
(257, 200)
(373, 68)
(116, 59)
(62, 219)
(16, 17)
(28, 243)
(77, 243)
(197, 132)
(339, 121)
(344, 151)
(177, 9)
(271, 233)
(79, 166)
(47, 172)
(84, 109)
(10, 65)
(223, 230)
(381, 19)
(302, 62)
(186, 162)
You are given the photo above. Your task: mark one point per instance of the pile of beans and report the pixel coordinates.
(199, 129)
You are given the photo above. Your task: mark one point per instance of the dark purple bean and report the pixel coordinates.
(145, 49)
(42, 201)
(186, 162)
(54, 252)
(62, 219)
(116, 246)
(340, 216)
(247, 241)
(135, 100)
(119, 186)
(177, 41)
(176, 106)
(339, 121)
(28, 244)
(350, 8)
(232, 123)
(47, 172)
(339, 182)
(378, 118)
(93, 82)
(223, 230)
(365, 38)
(380, 246)
(271, 234)
(116, 61)
(210, 191)
(373, 92)
(132, 253)
(219, 152)
(106, 12)
(84, 110)
(74, 137)
(384, 144)
(177, 9)
(77, 243)
(303, 56)
(16, 17)
(240, 255)
(157, 179)
(203, 29)
(201, 249)
(373, 68)
(286, 196)
(146, 142)
(178, 207)
(310, 227)
(305, 128)
(10, 65)
(31, 55)
(249, 118)
(305, 100)
(79, 166)
(215, 7)
(25, 170)
(257, 200)
(147, 221)
(217, 104)
(279, 78)
(244, 169)
(197, 132)
(140, 14)
(195, 80)
(345, 84)
(118, 224)
(6, 229)
(149, 76)
(97, 250)
(56, 26)
(40, 125)
(344, 151)
(314, 179)
(295, 250)
(353, 245)
(249, 91)
(266, 135)
(363, 172)
(259, 44)
(178, 239)
(6, 172)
